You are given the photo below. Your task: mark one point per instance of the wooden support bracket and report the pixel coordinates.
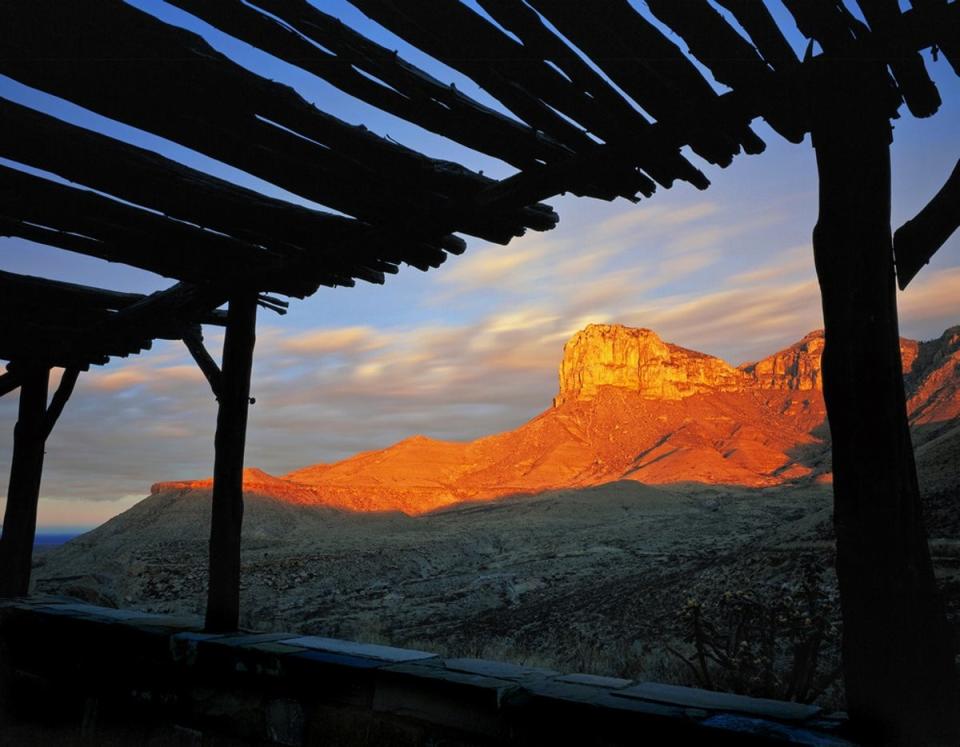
(917, 240)
(194, 342)
(67, 382)
(8, 382)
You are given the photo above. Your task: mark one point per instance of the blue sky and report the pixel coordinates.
(471, 348)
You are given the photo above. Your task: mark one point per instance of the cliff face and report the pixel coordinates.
(933, 379)
(639, 361)
(795, 368)
(633, 407)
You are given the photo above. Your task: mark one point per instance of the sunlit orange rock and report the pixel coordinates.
(638, 360)
(630, 407)
(796, 367)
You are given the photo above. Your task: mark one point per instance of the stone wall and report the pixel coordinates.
(73, 673)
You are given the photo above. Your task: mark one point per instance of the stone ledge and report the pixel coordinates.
(289, 689)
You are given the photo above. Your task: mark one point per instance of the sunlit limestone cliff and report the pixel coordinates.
(630, 406)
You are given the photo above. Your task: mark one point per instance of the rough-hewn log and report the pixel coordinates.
(405, 90)
(661, 80)
(9, 381)
(732, 60)
(308, 238)
(297, 146)
(59, 400)
(664, 166)
(830, 23)
(23, 493)
(208, 366)
(65, 297)
(766, 36)
(62, 323)
(919, 27)
(919, 91)
(223, 594)
(520, 80)
(145, 239)
(917, 240)
(947, 37)
(898, 649)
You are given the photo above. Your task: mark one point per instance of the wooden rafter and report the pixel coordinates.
(662, 80)
(326, 47)
(140, 176)
(733, 61)
(298, 147)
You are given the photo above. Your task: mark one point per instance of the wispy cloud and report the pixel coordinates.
(730, 288)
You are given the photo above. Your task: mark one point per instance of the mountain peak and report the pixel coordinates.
(638, 360)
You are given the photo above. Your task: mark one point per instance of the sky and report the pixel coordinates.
(473, 347)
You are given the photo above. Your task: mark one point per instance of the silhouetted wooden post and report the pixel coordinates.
(897, 646)
(223, 593)
(26, 469)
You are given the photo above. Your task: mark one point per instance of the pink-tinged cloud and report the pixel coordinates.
(114, 381)
(343, 339)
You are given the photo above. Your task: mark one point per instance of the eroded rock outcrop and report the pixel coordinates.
(639, 361)
(630, 407)
(794, 368)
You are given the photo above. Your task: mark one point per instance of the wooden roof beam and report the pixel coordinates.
(71, 296)
(661, 80)
(303, 235)
(406, 91)
(766, 36)
(521, 81)
(141, 238)
(920, 29)
(918, 90)
(948, 38)
(732, 60)
(664, 167)
(296, 146)
(9, 381)
(831, 24)
(168, 314)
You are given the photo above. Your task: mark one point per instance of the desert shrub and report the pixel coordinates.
(772, 641)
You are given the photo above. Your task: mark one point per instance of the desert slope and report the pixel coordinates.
(629, 407)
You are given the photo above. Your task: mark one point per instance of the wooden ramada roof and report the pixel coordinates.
(572, 130)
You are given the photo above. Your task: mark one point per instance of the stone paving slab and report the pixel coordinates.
(342, 660)
(569, 692)
(278, 649)
(246, 639)
(716, 701)
(351, 648)
(772, 729)
(595, 680)
(497, 669)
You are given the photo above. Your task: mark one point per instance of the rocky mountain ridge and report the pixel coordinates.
(630, 407)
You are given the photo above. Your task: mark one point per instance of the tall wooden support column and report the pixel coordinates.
(223, 593)
(897, 647)
(26, 468)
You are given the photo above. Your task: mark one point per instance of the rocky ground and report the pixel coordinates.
(588, 580)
